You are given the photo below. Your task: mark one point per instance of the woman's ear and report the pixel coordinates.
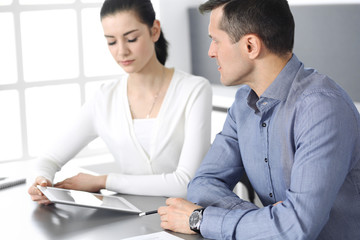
(155, 30)
(253, 45)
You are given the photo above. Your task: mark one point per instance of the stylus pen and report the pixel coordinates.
(147, 213)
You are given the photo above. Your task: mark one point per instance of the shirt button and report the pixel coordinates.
(266, 160)
(263, 124)
(270, 195)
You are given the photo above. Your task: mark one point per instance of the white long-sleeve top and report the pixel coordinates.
(180, 137)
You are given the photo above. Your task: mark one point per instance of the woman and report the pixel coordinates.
(154, 120)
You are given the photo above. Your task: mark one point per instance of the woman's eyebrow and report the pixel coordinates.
(125, 34)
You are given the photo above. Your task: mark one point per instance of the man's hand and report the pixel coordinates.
(175, 216)
(83, 182)
(35, 194)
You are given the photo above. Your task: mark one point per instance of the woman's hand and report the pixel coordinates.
(36, 194)
(84, 182)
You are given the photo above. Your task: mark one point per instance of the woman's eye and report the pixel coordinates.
(111, 43)
(132, 40)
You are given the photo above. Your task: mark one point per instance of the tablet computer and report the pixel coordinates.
(87, 199)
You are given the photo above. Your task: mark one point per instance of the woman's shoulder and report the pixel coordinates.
(188, 80)
(107, 90)
(110, 86)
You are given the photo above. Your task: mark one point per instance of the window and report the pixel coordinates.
(53, 57)
(5, 2)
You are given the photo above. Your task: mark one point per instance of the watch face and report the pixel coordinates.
(195, 217)
(195, 220)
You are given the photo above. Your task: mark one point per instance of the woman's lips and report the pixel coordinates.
(126, 62)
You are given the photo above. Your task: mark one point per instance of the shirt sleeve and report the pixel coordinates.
(65, 145)
(325, 134)
(196, 144)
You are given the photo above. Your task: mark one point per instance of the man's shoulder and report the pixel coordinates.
(312, 89)
(311, 82)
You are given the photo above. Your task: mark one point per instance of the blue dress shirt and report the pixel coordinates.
(298, 143)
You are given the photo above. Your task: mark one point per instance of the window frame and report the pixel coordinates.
(21, 85)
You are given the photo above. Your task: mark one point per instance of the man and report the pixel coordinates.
(294, 132)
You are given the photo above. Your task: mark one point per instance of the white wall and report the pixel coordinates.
(175, 24)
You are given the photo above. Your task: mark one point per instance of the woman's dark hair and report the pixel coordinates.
(146, 14)
(271, 20)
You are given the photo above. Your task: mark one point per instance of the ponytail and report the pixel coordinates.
(161, 49)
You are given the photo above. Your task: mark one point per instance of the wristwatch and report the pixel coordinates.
(195, 219)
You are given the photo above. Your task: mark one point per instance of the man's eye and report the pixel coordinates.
(132, 40)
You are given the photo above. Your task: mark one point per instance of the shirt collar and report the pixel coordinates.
(278, 89)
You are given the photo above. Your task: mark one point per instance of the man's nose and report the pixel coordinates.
(211, 52)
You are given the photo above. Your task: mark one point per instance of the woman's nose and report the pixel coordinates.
(122, 50)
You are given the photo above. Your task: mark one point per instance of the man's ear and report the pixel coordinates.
(155, 30)
(253, 45)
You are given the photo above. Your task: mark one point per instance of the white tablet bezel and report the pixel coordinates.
(47, 192)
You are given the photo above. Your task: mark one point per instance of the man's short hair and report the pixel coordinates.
(271, 20)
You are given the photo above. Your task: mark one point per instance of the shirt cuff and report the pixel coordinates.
(211, 225)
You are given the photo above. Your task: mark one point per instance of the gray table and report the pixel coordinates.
(21, 218)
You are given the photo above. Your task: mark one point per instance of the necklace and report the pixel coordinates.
(155, 97)
(153, 104)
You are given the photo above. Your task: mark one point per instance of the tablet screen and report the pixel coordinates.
(87, 199)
